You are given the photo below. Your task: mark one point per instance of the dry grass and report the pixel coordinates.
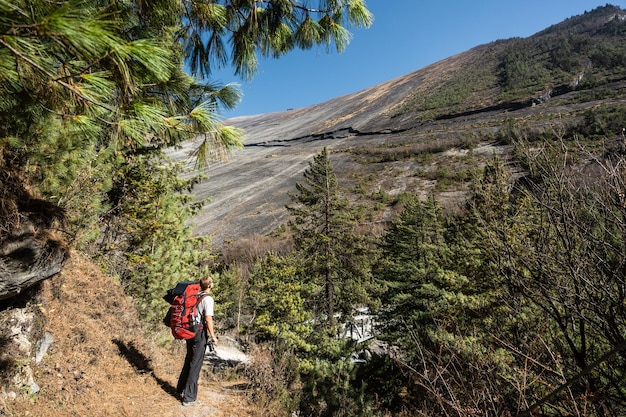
(101, 364)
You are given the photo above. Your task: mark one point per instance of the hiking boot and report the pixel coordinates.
(191, 403)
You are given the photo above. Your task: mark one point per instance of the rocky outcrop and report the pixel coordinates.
(29, 252)
(23, 337)
(26, 258)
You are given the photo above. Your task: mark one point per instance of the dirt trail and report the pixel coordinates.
(100, 364)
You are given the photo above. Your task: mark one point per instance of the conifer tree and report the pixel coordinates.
(324, 225)
(412, 267)
(270, 28)
(85, 87)
(278, 298)
(148, 242)
(545, 258)
(561, 258)
(441, 305)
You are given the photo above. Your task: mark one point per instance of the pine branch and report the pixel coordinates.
(52, 78)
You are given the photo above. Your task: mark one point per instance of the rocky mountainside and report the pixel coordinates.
(77, 348)
(411, 133)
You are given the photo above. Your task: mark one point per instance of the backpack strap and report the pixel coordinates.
(201, 297)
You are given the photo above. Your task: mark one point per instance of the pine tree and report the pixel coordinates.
(440, 304)
(85, 87)
(412, 267)
(269, 28)
(324, 226)
(278, 298)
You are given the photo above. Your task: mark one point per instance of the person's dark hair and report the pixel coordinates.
(206, 283)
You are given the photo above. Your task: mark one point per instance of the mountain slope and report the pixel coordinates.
(406, 135)
(411, 134)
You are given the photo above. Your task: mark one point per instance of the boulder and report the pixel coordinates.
(26, 258)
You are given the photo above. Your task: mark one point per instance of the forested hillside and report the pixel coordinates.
(475, 206)
(473, 212)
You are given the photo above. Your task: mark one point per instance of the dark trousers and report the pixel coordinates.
(188, 379)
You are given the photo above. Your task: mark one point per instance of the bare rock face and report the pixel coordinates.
(26, 258)
(19, 326)
(29, 252)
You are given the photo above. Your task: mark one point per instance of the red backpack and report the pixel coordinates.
(181, 316)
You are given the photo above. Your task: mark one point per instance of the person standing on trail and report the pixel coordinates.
(188, 379)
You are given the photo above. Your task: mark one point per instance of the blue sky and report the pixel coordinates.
(406, 35)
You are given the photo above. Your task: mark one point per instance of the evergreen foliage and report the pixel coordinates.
(93, 92)
(336, 258)
(270, 28)
(88, 86)
(147, 241)
(524, 297)
(329, 391)
(514, 306)
(585, 52)
(278, 296)
(566, 262)
(296, 299)
(410, 261)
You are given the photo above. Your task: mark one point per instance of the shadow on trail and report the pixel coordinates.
(142, 364)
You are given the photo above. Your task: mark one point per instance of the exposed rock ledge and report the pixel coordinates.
(27, 258)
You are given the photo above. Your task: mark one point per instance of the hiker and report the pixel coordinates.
(196, 346)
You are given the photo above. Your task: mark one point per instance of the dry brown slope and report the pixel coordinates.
(101, 364)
